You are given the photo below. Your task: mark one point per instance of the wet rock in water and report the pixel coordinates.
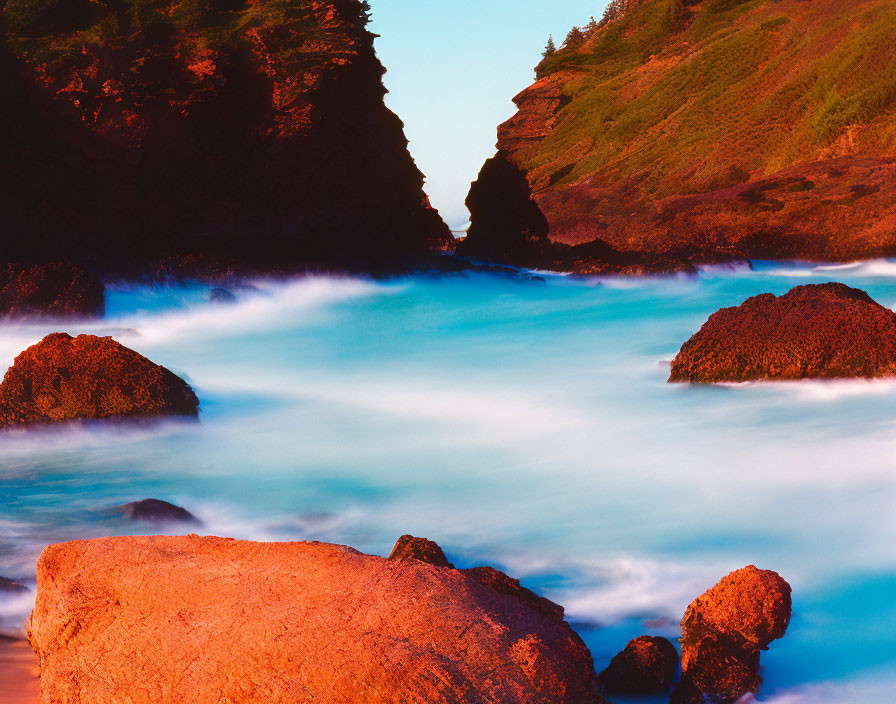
(11, 586)
(647, 665)
(723, 632)
(817, 331)
(54, 290)
(221, 295)
(288, 622)
(158, 512)
(62, 378)
(410, 548)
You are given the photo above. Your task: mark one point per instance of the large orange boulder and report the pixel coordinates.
(191, 620)
(817, 331)
(56, 290)
(64, 378)
(724, 630)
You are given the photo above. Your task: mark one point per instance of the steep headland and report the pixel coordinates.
(191, 135)
(717, 129)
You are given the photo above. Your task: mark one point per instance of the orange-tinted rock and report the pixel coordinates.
(57, 290)
(62, 378)
(157, 512)
(724, 630)
(407, 547)
(189, 620)
(504, 584)
(647, 665)
(816, 331)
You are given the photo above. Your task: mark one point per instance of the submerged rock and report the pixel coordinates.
(62, 378)
(11, 586)
(221, 295)
(817, 331)
(647, 665)
(120, 618)
(56, 290)
(723, 632)
(157, 511)
(410, 548)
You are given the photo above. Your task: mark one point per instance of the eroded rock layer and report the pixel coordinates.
(196, 134)
(190, 620)
(717, 129)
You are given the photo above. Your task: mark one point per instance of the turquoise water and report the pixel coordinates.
(524, 424)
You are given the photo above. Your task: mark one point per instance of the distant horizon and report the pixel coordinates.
(453, 93)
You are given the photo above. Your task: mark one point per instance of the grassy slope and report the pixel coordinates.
(724, 91)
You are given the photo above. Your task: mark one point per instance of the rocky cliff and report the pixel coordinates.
(233, 132)
(717, 128)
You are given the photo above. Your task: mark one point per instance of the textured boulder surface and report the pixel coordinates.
(242, 133)
(157, 512)
(716, 130)
(816, 331)
(64, 378)
(647, 665)
(407, 547)
(56, 290)
(724, 630)
(159, 620)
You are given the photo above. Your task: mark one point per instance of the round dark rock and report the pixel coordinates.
(221, 295)
(157, 511)
(647, 665)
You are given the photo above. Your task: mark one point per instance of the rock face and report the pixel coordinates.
(162, 620)
(724, 630)
(157, 512)
(647, 665)
(816, 331)
(55, 290)
(217, 134)
(62, 378)
(410, 548)
(707, 131)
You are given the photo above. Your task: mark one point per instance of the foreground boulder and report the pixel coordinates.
(56, 290)
(647, 665)
(157, 512)
(165, 620)
(62, 378)
(817, 331)
(723, 632)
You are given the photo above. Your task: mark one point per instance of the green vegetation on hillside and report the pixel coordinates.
(714, 91)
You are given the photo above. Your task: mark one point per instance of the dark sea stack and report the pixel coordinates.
(10, 586)
(54, 290)
(157, 512)
(646, 666)
(247, 134)
(820, 331)
(62, 378)
(725, 629)
(410, 548)
(706, 132)
(288, 622)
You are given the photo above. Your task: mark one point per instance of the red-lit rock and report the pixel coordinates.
(55, 290)
(160, 620)
(816, 331)
(62, 378)
(646, 666)
(407, 547)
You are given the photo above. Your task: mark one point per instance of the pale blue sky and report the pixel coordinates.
(453, 67)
